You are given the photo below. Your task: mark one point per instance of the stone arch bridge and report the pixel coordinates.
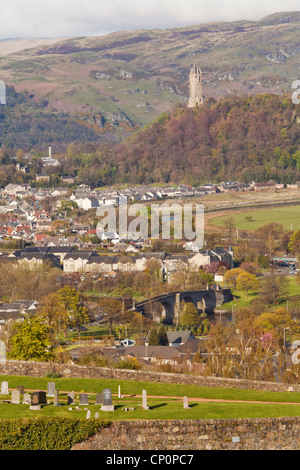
(167, 307)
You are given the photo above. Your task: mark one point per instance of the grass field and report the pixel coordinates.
(165, 400)
(288, 216)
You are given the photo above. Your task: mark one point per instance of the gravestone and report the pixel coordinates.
(38, 399)
(83, 399)
(88, 414)
(186, 403)
(96, 415)
(2, 351)
(99, 399)
(26, 399)
(56, 396)
(15, 397)
(119, 391)
(144, 402)
(4, 388)
(107, 400)
(50, 389)
(71, 398)
(21, 389)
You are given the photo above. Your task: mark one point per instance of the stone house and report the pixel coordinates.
(100, 264)
(16, 310)
(205, 258)
(77, 261)
(36, 258)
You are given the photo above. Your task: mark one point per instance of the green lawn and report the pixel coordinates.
(287, 216)
(165, 400)
(159, 409)
(242, 299)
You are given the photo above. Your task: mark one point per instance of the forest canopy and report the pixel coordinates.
(245, 138)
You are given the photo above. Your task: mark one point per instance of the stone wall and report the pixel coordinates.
(42, 369)
(252, 434)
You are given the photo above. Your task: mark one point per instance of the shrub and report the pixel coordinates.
(130, 363)
(46, 433)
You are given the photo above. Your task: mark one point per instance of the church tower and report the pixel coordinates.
(196, 96)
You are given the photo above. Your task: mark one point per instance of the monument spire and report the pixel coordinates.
(196, 95)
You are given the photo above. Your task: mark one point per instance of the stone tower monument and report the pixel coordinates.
(196, 96)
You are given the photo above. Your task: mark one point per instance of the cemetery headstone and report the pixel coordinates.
(96, 415)
(71, 398)
(26, 399)
(99, 400)
(107, 400)
(186, 403)
(50, 389)
(15, 397)
(4, 388)
(83, 399)
(21, 389)
(38, 399)
(56, 398)
(88, 414)
(144, 402)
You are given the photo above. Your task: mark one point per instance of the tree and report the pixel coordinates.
(294, 243)
(246, 281)
(72, 302)
(231, 276)
(242, 350)
(185, 277)
(31, 341)
(190, 316)
(113, 311)
(54, 312)
(278, 321)
(230, 226)
(158, 336)
(153, 339)
(274, 288)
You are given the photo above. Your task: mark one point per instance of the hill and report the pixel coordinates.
(245, 138)
(234, 138)
(107, 87)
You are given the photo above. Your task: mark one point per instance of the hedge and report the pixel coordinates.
(47, 433)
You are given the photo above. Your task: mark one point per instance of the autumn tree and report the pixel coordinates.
(31, 341)
(246, 281)
(113, 311)
(54, 312)
(269, 236)
(72, 302)
(242, 350)
(294, 243)
(185, 277)
(278, 321)
(274, 288)
(23, 281)
(231, 276)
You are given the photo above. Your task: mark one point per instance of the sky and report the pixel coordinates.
(68, 18)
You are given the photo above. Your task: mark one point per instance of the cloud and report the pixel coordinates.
(61, 18)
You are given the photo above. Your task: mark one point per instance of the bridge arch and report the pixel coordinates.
(167, 313)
